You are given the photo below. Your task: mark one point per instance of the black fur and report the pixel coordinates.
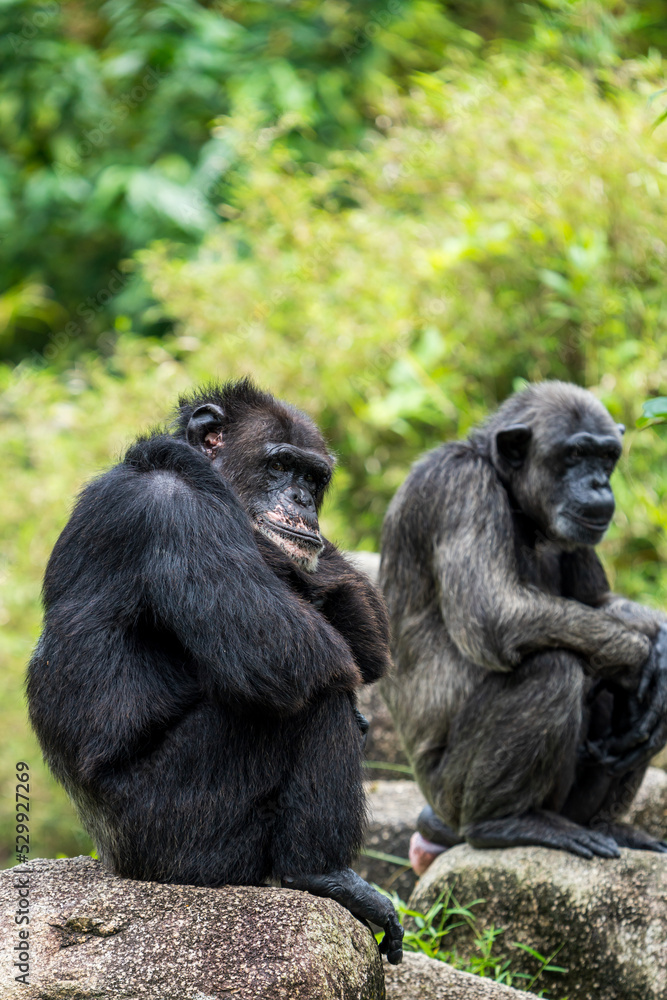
(193, 688)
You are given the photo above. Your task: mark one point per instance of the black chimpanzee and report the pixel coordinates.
(194, 686)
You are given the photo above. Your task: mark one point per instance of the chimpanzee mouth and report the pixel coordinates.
(308, 540)
(302, 534)
(586, 523)
(301, 544)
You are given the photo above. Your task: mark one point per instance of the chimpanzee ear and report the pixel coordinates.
(512, 444)
(621, 429)
(205, 428)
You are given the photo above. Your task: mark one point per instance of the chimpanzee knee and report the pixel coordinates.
(523, 758)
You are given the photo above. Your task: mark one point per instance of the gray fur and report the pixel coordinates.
(502, 621)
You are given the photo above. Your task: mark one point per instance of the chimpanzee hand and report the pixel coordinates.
(647, 709)
(362, 900)
(316, 588)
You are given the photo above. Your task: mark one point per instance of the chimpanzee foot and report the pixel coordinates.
(633, 838)
(431, 839)
(542, 829)
(357, 896)
(422, 853)
(434, 829)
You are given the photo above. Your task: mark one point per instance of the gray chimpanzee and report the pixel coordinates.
(194, 685)
(530, 699)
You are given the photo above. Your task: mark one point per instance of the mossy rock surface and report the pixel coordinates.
(608, 918)
(94, 935)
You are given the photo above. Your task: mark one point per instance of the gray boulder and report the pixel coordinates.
(608, 918)
(94, 935)
(395, 805)
(649, 808)
(422, 978)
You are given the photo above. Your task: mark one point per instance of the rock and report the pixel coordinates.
(395, 805)
(607, 917)
(422, 978)
(393, 809)
(93, 934)
(660, 759)
(382, 745)
(649, 808)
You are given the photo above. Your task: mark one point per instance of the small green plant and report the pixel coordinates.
(391, 859)
(545, 965)
(382, 765)
(427, 933)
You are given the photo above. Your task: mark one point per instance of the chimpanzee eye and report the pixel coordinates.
(277, 466)
(309, 478)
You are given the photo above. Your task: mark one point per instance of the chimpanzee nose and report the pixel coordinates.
(300, 497)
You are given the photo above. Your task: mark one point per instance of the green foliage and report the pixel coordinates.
(386, 766)
(392, 859)
(597, 34)
(653, 410)
(427, 933)
(105, 130)
(108, 112)
(507, 225)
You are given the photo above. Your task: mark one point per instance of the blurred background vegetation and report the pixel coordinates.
(390, 212)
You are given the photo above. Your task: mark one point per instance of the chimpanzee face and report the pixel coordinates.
(296, 479)
(560, 476)
(280, 482)
(583, 500)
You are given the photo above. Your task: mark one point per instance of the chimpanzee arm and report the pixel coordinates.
(492, 617)
(635, 616)
(257, 641)
(356, 610)
(165, 537)
(345, 597)
(584, 579)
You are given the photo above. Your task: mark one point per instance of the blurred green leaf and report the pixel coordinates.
(655, 408)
